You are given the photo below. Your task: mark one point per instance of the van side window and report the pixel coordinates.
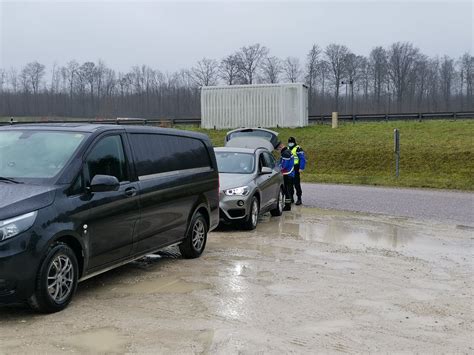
(160, 153)
(108, 158)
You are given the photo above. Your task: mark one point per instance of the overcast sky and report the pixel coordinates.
(173, 35)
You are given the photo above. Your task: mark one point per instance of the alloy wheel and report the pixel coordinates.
(199, 235)
(254, 213)
(60, 279)
(281, 201)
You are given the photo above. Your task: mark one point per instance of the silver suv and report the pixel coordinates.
(250, 180)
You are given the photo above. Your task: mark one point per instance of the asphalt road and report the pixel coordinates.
(446, 206)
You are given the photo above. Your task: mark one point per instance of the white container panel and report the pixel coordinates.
(271, 105)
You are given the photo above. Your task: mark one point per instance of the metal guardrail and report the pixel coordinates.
(394, 116)
(312, 119)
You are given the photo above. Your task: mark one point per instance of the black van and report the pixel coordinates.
(78, 200)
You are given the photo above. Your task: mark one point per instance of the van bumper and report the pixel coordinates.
(18, 267)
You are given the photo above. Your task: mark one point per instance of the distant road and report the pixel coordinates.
(449, 206)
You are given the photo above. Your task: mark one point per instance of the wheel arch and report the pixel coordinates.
(77, 247)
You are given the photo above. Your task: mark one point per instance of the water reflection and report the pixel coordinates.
(340, 229)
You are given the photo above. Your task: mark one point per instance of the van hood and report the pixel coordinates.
(18, 199)
(230, 181)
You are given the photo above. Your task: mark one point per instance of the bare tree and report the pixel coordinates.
(206, 72)
(13, 80)
(447, 78)
(312, 60)
(337, 58)
(292, 69)
(70, 72)
(466, 64)
(421, 81)
(271, 70)
(249, 60)
(402, 59)
(3, 78)
(33, 73)
(323, 71)
(87, 72)
(379, 71)
(229, 69)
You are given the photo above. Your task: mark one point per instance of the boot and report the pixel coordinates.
(287, 207)
(298, 201)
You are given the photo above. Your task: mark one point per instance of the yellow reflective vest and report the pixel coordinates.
(295, 154)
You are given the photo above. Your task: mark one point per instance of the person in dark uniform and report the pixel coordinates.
(300, 164)
(287, 169)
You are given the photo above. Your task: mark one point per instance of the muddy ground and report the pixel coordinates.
(311, 281)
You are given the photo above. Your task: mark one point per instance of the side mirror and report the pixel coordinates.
(265, 170)
(103, 183)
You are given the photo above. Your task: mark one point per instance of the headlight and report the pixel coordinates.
(238, 191)
(14, 226)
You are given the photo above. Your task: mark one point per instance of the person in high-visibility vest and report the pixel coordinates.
(300, 165)
(288, 170)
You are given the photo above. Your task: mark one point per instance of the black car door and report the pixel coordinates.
(113, 214)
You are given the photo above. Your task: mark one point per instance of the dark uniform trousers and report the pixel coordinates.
(288, 181)
(297, 183)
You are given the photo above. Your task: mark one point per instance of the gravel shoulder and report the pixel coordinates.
(311, 281)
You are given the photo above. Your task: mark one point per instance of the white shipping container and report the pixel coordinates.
(263, 105)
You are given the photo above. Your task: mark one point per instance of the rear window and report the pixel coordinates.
(160, 153)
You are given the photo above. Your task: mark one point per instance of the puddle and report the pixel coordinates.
(364, 231)
(104, 340)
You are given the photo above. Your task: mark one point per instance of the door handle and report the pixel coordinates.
(131, 191)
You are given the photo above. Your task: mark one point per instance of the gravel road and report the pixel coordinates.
(311, 281)
(447, 206)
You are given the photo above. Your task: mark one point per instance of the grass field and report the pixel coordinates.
(434, 154)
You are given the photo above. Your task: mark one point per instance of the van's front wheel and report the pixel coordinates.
(195, 242)
(56, 281)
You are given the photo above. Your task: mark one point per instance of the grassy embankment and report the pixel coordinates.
(434, 154)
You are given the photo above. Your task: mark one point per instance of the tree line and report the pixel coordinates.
(399, 78)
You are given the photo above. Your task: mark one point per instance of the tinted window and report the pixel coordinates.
(108, 158)
(159, 153)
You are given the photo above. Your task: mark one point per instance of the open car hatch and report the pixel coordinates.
(252, 138)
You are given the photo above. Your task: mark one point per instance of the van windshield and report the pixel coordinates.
(235, 163)
(36, 154)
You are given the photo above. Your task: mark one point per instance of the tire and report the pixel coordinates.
(251, 221)
(195, 243)
(56, 281)
(278, 210)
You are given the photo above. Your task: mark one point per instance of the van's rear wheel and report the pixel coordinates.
(195, 242)
(56, 281)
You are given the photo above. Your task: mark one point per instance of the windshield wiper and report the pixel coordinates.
(10, 180)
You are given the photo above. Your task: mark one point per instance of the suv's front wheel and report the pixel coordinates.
(56, 281)
(195, 242)
(251, 221)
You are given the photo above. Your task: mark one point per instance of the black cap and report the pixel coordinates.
(292, 140)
